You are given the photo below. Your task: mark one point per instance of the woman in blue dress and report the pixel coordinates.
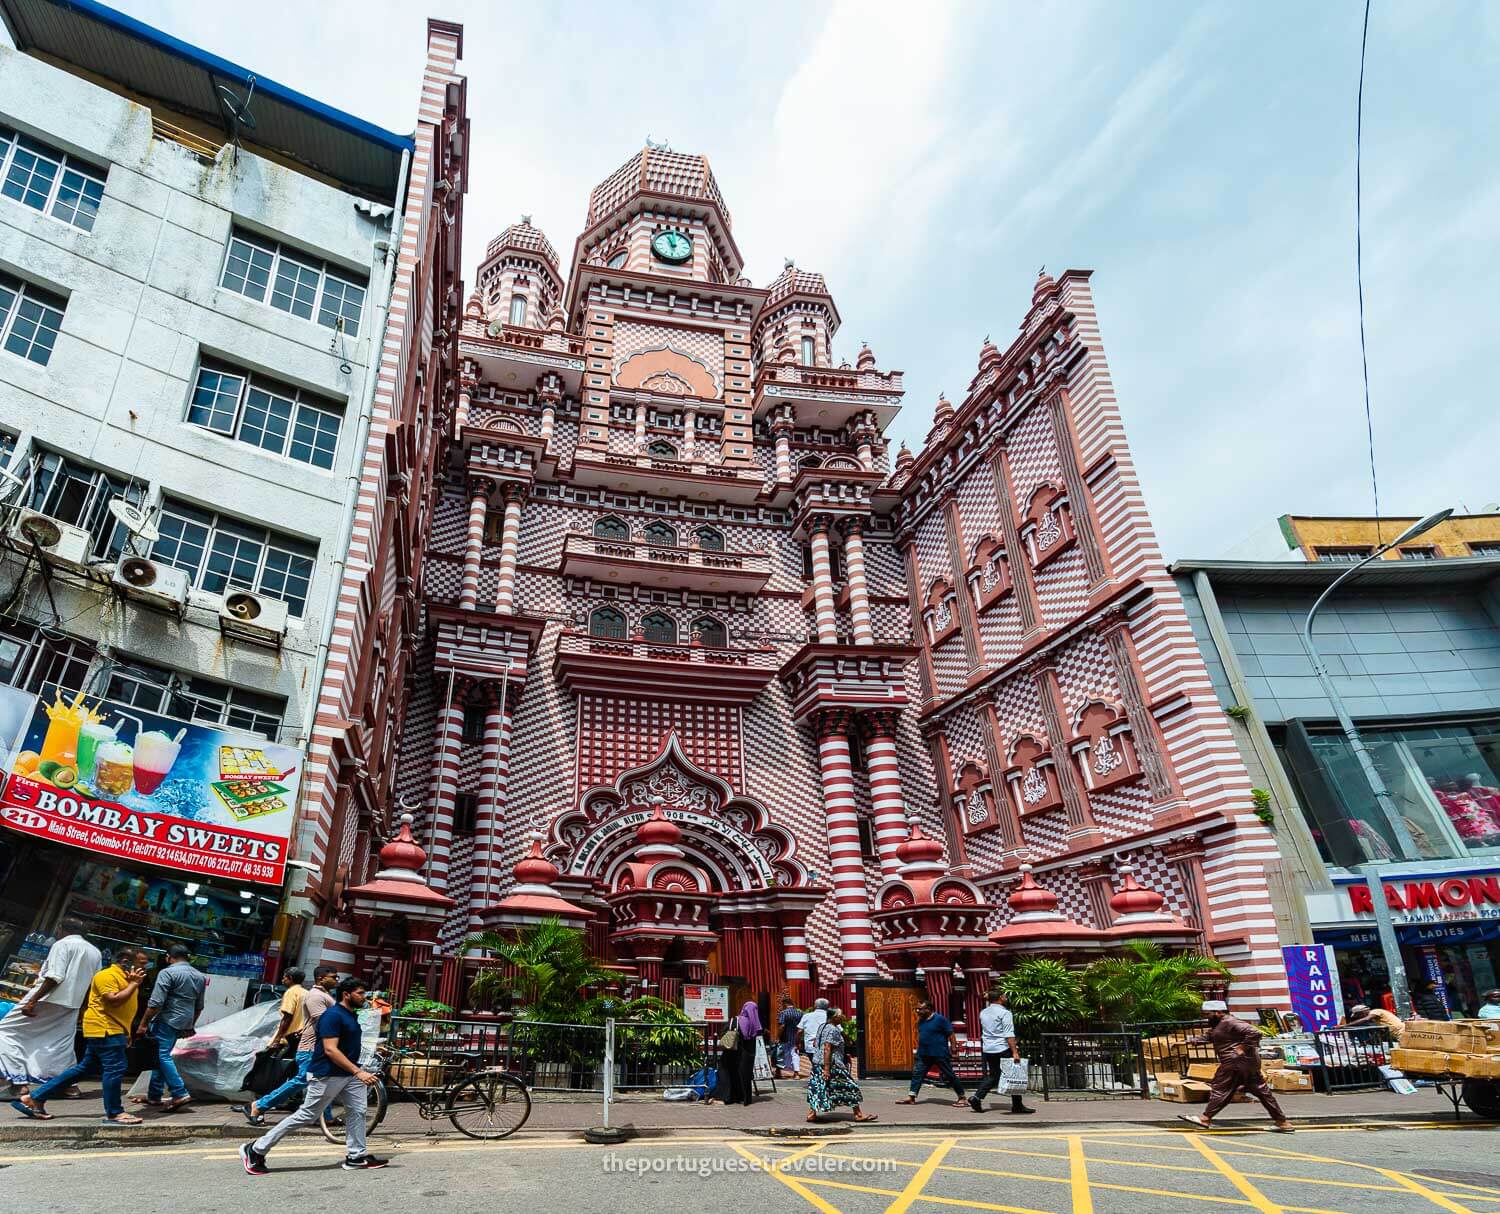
(830, 1085)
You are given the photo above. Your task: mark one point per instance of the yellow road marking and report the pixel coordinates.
(1436, 1198)
(923, 1174)
(1078, 1177)
(942, 1201)
(796, 1186)
(1254, 1195)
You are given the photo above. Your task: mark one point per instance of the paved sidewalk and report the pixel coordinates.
(79, 1120)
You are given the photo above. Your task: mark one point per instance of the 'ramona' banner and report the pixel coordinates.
(109, 778)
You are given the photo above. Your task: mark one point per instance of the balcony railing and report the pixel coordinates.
(728, 675)
(538, 339)
(590, 556)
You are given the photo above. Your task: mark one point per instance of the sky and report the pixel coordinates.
(928, 159)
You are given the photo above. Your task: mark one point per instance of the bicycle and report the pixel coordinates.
(485, 1102)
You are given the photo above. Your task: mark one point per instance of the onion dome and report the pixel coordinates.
(658, 831)
(1036, 925)
(1139, 911)
(942, 418)
(1044, 284)
(1132, 898)
(904, 459)
(533, 898)
(403, 854)
(474, 309)
(399, 880)
(921, 855)
(865, 359)
(534, 868)
(1029, 898)
(989, 355)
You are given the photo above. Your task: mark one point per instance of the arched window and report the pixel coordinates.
(662, 535)
(710, 539)
(617, 259)
(661, 449)
(659, 628)
(611, 528)
(607, 622)
(710, 632)
(809, 352)
(518, 309)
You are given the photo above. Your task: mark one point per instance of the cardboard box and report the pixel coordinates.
(1182, 1091)
(1267, 1065)
(1202, 1070)
(1475, 1066)
(1474, 1036)
(1290, 1081)
(1434, 1036)
(1419, 1062)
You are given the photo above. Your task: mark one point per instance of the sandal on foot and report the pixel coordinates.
(173, 1106)
(147, 1101)
(1194, 1120)
(867, 1117)
(907, 1100)
(122, 1119)
(35, 1111)
(247, 1111)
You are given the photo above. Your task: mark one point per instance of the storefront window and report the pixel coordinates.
(1445, 780)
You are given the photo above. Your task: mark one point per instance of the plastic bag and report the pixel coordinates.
(702, 1082)
(680, 1094)
(1014, 1075)
(216, 1059)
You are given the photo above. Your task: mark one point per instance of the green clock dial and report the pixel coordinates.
(672, 246)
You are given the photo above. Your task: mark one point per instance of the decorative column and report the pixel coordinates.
(886, 799)
(479, 503)
(822, 562)
(1059, 407)
(640, 426)
(938, 977)
(1114, 631)
(689, 432)
(1020, 567)
(494, 775)
(859, 592)
(1082, 830)
(1094, 876)
(505, 593)
(851, 907)
(1005, 808)
(977, 975)
(549, 392)
(781, 428)
(467, 382)
(864, 442)
(450, 741)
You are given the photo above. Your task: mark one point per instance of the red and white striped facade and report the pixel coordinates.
(681, 616)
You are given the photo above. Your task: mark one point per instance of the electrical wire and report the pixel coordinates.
(1359, 274)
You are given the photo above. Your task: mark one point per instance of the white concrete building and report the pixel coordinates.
(190, 323)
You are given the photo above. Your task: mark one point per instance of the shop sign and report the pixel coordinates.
(113, 780)
(709, 1003)
(1432, 899)
(1313, 978)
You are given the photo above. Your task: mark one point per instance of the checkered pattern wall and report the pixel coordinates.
(616, 735)
(632, 338)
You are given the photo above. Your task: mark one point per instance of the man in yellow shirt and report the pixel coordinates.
(107, 1020)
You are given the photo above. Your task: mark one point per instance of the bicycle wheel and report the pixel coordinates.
(490, 1105)
(332, 1121)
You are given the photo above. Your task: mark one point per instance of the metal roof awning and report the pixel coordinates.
(145, 61)
(1312, 575)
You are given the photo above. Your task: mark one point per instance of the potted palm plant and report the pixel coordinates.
(1044, 996)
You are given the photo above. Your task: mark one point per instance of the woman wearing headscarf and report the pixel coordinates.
(830, 1084)
(736, 1078)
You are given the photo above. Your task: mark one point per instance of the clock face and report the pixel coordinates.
(672, 246)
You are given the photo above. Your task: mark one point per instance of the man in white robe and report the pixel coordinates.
(36, 1036)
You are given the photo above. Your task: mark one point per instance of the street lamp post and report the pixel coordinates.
(1392, 818)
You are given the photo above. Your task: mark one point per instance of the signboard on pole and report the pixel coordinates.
(1312, 975)
(111, 779)
(709, 1003)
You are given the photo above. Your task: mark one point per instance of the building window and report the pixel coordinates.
(267, 272)
(474, 715)
(167, 693)
(220, 553)
(659, 628)
(867, 849)
(1343, 556)
(75, 493)
(660, 535)
(1423, 552)
(618, 259)
(465, 813)
(608, 623)
(709, 539)
(34, 661)
(272, 416)
(611, 528)
(661, 449)
(29, 319)
(49, 181)
(710, 633)
(809, 352)
(518, 309)
(1484, 549)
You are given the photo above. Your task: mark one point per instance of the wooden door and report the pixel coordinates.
(887, 1028)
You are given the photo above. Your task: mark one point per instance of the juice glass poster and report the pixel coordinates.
(109, 778)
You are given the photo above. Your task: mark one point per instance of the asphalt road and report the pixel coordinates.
(1391, 1169)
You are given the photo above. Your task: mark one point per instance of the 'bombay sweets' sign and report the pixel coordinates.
(109, 778)
(1431, 899)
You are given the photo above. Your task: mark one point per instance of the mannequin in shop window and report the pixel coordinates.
(1472, 806)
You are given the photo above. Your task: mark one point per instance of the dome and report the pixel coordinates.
(1029, 898)
(533, 868)
(657, 830)
(403, 853)
(1044, 284)
(919, 851)
(865, 359)
(1132, 898)
(524, 238)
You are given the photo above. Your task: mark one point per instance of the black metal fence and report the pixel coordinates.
(1167, 1046)
(1350, 1058)
(1087, 1066)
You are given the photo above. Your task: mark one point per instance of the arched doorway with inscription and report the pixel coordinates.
(698, 884)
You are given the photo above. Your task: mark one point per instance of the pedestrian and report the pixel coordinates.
(934, 1049)
(1237, 1047)
(997, 1038)
(830, 1084)
(333, 1074)
(171, 1013)
(315, 1001)
(736, 1079)
(787, 1020)
(1427, 1002)
(1362, 1015)
(1490, 1009)
(107, 1018)
(36, 1036)
(809, 1026)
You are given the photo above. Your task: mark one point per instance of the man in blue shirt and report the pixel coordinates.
(333, 1074)
(934, 1034)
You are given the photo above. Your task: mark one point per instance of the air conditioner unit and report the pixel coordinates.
(61, 543)
(152, 583)
(252, 617)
